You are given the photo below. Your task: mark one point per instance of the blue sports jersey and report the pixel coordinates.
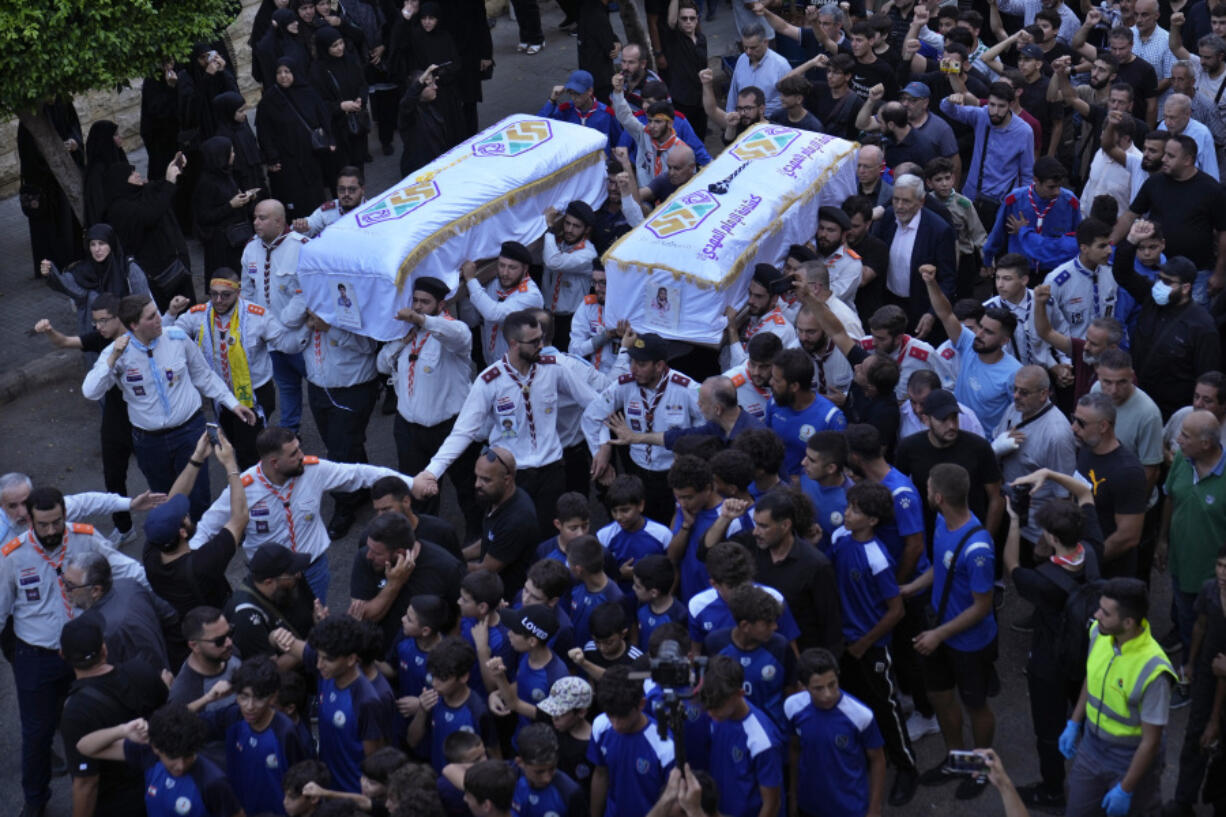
(638, 766)
(746, 755)
(833, 767)
(411, 674)
(549, 550)
(532, 685)
(561, 798)
(769, 670)
(580, 602)
(694, 576)
(651, 537)
(866, 583)
(470, 716)
(347, 717)
(648, 621)
(256, 761)
(500, 646)
(974, 573)
(203, 791)
(830, 503)
(796, 427)
(908, 519)
(696, 727)
(709, 612)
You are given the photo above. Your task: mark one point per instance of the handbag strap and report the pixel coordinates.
(294, 108)
(953, 564)
(1221, 86)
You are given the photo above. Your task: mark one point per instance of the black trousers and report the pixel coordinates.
(1051, 701)
(1193, 760)
(871, 679)
(116, 451)
(416, 445)
(241, 435)
(528, 17)
(544, 484)
(908, 662)
(341, 415)
(660, 504)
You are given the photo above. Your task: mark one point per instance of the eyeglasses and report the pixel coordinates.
(746, 108)
(348, 188)
(688, 18)
(536, 341)
(69, 586)
(493, 456)
(219, 641)
(223, 293)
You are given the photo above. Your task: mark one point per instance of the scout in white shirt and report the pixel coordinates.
(285, 496)
(589, 336)
(350, 195)
(1012, 274)
(431, 369)
(832, 373)
(752, 378)
(1083, 288)
(888, 336)
(842, 262)
(567, 253)
(15, 489)
(488, 305)
(764, 314)
(270, 280)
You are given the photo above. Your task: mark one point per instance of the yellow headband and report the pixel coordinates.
(224, 282)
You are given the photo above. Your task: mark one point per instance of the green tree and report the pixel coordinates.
(69, 47)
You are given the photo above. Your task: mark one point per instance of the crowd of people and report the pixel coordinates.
(676, 579)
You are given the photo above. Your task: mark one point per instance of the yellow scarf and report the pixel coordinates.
(234, 367)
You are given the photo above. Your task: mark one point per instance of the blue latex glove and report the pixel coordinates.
(1068, 738)
(1117, 802)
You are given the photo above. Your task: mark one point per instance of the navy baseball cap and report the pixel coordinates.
(163, 522)
(918, 90)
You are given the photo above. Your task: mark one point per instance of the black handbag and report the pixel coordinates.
(358, 122)
(319, 137)
(168, 279)
(239, 233)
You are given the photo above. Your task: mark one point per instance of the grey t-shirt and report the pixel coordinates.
(1138, 426)
(190, 685)
(1050, 444)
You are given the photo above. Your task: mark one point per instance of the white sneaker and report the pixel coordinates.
(534, 49)
(920, 727)
(119, 539)
(522, 47)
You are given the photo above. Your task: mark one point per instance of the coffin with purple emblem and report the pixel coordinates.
(675, 273)
(489, 189)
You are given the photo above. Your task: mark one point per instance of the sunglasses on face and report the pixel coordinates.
(219, 641)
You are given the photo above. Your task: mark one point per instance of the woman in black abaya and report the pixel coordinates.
(341, 82)
(102, 149)
(248, 168)
(289, 111)
(281, 40)
(222, 211)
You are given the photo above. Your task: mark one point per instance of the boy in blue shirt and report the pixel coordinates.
(654, 577)
(261, 743)
(549, 583)
(765, 656)
(166, 749)
(489, 789)
(731, 566)
(837, 764)
(609, 645)
(960, 651)
(746, 748)
(696, 730)
(480, 625)
(872, 608)
(586, 559)
(626, 748)
(423, 624)
(825, 481)
(542, 790)
(463, 750)
(450, 705)
(689, 478)
(350, 711)
(529, 630)
(296, 783)
(630, 537)
(795, 410)
(573, 519)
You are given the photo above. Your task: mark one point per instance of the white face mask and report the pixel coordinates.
(1161, 292)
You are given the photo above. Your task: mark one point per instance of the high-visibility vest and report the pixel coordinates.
(1116, 679)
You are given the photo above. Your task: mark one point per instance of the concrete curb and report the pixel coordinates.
(43, 371)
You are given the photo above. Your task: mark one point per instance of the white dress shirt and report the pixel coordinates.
(898, 276)
(431, 369)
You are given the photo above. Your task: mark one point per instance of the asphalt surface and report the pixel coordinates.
(52, 433)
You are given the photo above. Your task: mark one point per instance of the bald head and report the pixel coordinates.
(1202, 426)
(269, 221)
(1032, 377)
(680, 164)
(1177, 104)
(720, 391)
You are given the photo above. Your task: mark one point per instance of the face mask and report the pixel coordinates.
(1160, 292)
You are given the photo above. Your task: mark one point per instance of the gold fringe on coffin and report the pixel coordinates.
(490, 208)
(738, 265)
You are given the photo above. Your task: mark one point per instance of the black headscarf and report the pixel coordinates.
(246, 150)
(339, 78)
(215, 155)
(100, 145)
(432, 47)
(111, 274)
(115, 182)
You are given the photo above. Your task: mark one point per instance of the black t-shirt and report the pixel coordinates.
(92, 341)
(880, 411)
(252, 618)
(685, 59)
(837, 116)
(1034, 101)
(440, 532)
(436, 573)
(1118, 479)
(867, 74)
(130, 690)
(1144, 81)
(1188, 211)
(917, 456)
(1209, 604)
(1049, 598)
(510, 534)
(875, 254)
(197, 578)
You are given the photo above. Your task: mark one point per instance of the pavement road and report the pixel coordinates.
(54, 438)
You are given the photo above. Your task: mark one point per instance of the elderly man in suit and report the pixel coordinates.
(916, 237)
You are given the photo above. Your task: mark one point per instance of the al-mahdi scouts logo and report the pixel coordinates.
(515, 139)
(765, 143)
(398, 203)
(682, 214)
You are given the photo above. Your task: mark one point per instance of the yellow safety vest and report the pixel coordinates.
(1116, 679)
